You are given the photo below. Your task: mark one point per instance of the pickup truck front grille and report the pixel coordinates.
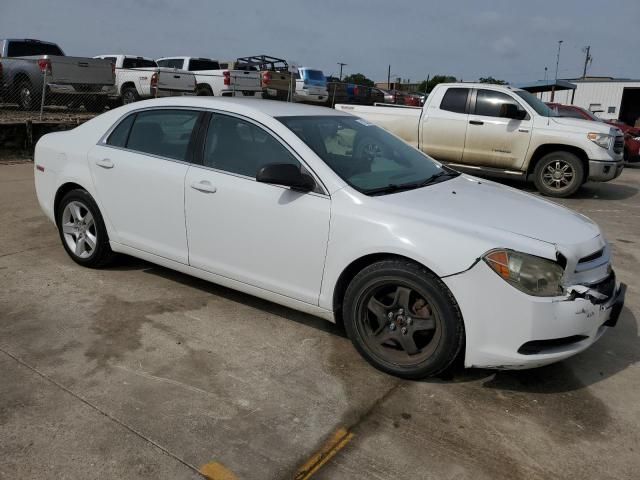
(618, 144)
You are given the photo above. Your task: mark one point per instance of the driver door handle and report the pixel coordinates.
(476, 122)
(204, 186)
(105, 163)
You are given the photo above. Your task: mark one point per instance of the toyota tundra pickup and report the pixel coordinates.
(503, 131)
(29, 65)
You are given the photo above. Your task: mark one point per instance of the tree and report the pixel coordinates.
(427, 86)
(358, 79)
(490, 79)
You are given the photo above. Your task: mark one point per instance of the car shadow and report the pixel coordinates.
(618, 348)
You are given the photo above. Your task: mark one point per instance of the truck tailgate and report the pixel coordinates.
(245, 80)
(401, 121)
(176, 80)
(81, 71)
(279, 80)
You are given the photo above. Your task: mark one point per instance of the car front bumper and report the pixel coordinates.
(306, 96)
(508, 329)
(603, 171)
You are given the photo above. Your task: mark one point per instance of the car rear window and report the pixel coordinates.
(202, 64)
(26, 49)
(314, 74)
(138, 63)
(455, 100)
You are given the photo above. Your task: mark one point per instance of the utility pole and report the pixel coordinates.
(587, 59)
(389, 78)
(558, 58)
(553, 89)
(341, 65)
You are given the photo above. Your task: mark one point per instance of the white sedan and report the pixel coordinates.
(326, 213)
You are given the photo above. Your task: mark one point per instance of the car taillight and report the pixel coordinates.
(356, 91)
(113, 69)
(45, 65)
(227, 77)
(266, 78)
(153, 84)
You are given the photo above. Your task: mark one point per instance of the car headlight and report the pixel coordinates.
(529, 274)
(601, 139)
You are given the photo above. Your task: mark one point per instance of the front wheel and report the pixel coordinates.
(82, 230)
(559, 174)
(403, 319)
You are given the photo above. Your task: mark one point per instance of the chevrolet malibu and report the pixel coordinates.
(328, 214)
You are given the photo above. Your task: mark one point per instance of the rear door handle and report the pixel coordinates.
(105, 163)
(204, 186)
(476, 122)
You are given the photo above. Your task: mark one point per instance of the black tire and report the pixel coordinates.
(436, 347)
(550, 175)
(129, 95)
(101, 255)
(204, 91)
(96, 104)
(28, 97)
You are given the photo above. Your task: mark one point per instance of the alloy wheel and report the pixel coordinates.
(398, 324)
(79, 229)
(558, 174)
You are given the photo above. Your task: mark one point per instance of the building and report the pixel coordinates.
(609, 98)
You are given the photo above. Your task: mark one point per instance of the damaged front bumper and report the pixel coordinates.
(506, 328)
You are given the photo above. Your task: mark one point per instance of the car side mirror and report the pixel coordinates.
(285, 174)
(509, 110)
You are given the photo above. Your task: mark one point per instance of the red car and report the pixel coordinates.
(631, 134)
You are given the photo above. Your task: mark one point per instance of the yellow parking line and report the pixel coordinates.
(332, 446)
(217, 471)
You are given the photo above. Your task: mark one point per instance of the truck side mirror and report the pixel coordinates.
(509, 110)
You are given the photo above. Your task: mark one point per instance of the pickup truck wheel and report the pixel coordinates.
(204, 91)
(403, 319)
(129, 95)
(28, 98)
(559, 174)
(96, 104)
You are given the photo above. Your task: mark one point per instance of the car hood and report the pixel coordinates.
(478, 204)
(583, 124)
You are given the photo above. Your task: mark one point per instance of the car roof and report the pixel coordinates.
(245, 106)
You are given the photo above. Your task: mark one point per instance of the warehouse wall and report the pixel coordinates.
(607, 94)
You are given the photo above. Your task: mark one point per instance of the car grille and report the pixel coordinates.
(618, 144)
(605, 287)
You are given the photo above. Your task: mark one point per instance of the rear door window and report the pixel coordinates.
(455, 100)
(118, 137)
(166, 133)
(171, 63)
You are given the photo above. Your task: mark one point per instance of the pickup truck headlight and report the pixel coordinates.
(529, 274)
(601, 139)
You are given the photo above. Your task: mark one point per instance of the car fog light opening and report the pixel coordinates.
(529, 274)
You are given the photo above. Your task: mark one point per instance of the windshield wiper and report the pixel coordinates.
(394, 187)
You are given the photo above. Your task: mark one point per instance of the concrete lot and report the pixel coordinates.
(140, 372)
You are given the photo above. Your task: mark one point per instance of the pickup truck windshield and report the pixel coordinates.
(534, 102)
(365, 156)
(28, 49)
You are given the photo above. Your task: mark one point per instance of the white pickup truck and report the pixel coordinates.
(138, 78)
(213, 80)
(503, 131)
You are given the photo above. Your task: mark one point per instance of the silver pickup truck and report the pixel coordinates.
(31, 68)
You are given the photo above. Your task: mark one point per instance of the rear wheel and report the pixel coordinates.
(403, 319)
(82, 230)
(129, 95)
(559, 174)
(28, 98)
(204, 91)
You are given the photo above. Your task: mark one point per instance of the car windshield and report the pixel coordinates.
(534, 102)
(314, 75)
(365, 156)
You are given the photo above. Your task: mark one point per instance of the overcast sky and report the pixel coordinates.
(512, 40)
